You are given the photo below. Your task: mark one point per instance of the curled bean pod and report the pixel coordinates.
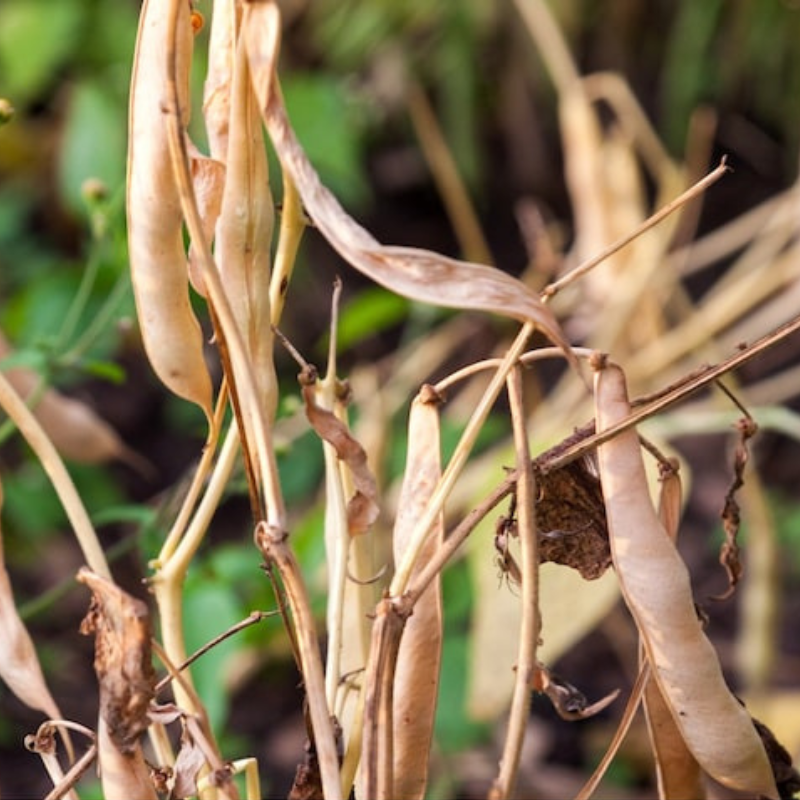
(657, 590)
(172, 336)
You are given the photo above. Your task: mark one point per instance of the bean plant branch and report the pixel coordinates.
(530, 625)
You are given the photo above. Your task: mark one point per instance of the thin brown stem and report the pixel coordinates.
(585, 439)
(251, 619)
(650, 222)
(530, 624)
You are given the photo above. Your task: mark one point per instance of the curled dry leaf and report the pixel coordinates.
(121, 627)
(416, 685)
(571, 519)
(418, 274)
(362, 507)
(656, 587)
(729, 552)
(171, 333)
(19, 666)
(569, 702)
(191, 759)
(208, 181)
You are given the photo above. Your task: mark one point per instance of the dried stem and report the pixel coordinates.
(73, 775)
(232, 349)
(586, 439)
(451, 187)
(169, 579)
(274, 547)
(530, 623)
(650, 222)
(457, 462)
(378, 756)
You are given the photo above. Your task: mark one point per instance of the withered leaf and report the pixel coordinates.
(414, 273)
(121, 627)
(730, 515)
(569, 702)
(571, 519)
(362, 508)
(188, 764)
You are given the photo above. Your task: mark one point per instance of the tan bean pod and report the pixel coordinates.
(172, 336)
(657, 590)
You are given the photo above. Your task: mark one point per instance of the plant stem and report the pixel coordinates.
(457, 462)
(275, 550)
(530, 622)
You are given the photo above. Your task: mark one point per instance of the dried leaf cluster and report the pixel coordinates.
(583, 504)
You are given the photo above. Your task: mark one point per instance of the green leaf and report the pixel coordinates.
(35, 312)
(369, 313)
(454, 729)
(36, 38)
(331, 133)
(94, 142)
(30, 507)
(106, 370)
(141, 515)
(210, 608)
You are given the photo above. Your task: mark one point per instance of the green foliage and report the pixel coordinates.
(94, 140)
(454, 729)
(371, 312)
(36, 40)
(336, 147)
(210, 607)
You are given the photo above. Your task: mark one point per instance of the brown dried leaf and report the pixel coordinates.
(416, 685)
(19, 666)
(362, 508)
(208, 182)
(729, 552)
(420, 275)
(190, 760)
(171, 333)
(571, 520)
(656, 586)
(307, 784)
(569, 702)
(121, 627)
